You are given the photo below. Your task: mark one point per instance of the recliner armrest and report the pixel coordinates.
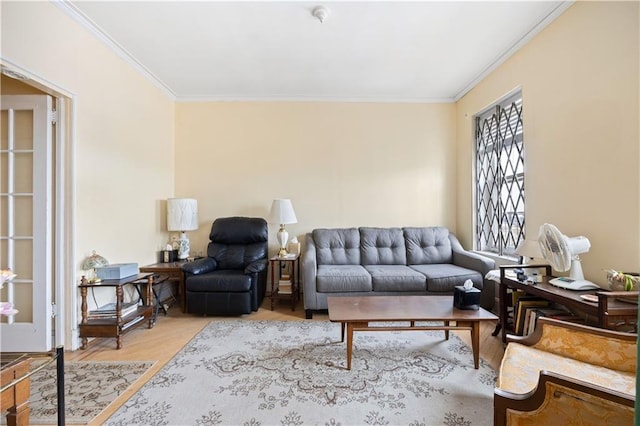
(256, 266)
(200, 266)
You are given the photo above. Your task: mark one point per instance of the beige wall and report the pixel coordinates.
(124, 135)
(349, 164)
(579, 79)
(342, 164)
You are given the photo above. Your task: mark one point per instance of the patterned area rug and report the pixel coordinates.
(294, 373)
(89, 388)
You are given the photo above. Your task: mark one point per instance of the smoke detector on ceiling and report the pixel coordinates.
(320, 12)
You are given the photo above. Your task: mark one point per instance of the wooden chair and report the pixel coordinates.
(566, 373)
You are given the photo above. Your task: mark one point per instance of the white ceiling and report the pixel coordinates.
(419, 51)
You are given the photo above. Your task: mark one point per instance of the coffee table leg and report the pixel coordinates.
(475, 339)
(446, 332)
(475, 342)
(349, 344)
(342, 332)
(350, 327)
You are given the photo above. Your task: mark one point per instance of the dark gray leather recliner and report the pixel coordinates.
(232, 279)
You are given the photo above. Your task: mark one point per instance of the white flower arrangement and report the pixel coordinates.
(6, 308)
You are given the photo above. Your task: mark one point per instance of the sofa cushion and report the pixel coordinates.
(396, 278)
(427, 245)
(342, 278)
(383, 246)
(445, 276)
(337, 246)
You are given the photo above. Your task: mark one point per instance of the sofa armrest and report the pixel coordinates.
(474, 261)
(309, 272)
(200, 266)
(470, 260)
(256, 266)
(559, 395)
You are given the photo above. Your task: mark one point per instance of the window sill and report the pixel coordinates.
(500, 260)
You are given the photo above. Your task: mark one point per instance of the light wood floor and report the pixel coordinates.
(174, 330)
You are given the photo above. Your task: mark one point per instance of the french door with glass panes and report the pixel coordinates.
(26, 175)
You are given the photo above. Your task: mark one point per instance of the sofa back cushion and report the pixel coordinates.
(337, 246)
(428, 245)
(383, 246)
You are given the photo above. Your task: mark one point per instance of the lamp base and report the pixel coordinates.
(283, 237)
(183, 246)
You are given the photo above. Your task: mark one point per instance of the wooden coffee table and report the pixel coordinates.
(357, 312)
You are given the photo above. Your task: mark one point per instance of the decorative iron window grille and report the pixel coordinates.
(499, 138)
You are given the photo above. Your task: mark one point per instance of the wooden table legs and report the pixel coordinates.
(472, 326)
(475, 339)
(350, 327)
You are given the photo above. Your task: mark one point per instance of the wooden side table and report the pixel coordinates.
(174, 271)
(294, 296)
(120, 324)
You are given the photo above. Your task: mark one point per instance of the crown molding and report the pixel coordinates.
(535, 30)
(327, 99)
(77, 15)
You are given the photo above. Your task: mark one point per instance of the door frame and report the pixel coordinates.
(65, 327)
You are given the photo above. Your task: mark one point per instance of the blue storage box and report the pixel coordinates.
(117, 271)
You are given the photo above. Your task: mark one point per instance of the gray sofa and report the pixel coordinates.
(385, 261)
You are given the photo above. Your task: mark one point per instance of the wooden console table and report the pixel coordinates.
(608, 312)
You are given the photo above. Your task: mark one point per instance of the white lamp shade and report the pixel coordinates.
(529, 249)
(182, 214)
(282, 212)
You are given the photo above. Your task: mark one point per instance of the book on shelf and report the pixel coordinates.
(556, 312)
(536, 313)
(109, 310)
(133, 322)
(284, 287)
(523, 303)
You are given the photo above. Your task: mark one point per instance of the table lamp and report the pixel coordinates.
(91, 263)
(282, 213)
(528, 250)
(182, 216)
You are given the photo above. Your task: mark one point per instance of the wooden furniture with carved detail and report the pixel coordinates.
(567, 373)
(15, 383)
(119, 324)
(609, 311)
(15, 398)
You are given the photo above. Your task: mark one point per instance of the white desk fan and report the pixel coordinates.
(562, 253)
